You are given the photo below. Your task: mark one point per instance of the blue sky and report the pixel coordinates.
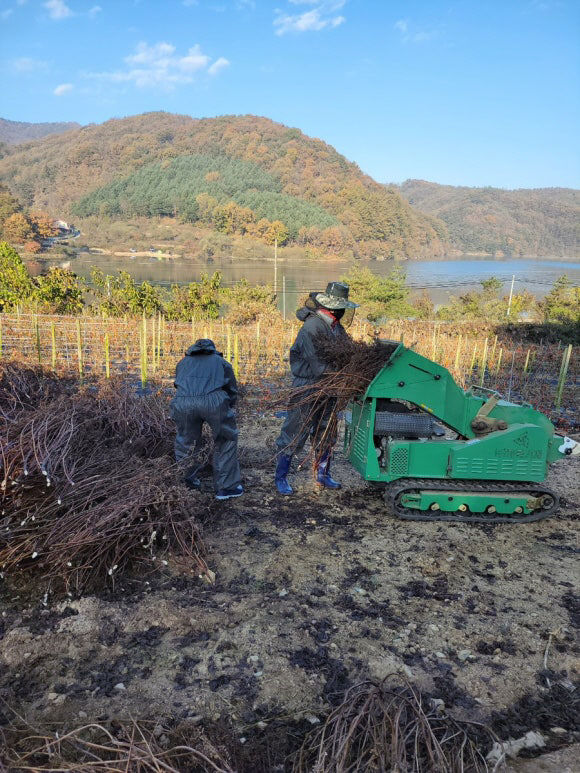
(465, 92)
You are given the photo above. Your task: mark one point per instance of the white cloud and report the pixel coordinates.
(318, 18)
(64, 88)
(218, 65)
(159, 66)
(194, 60)
(58, 9)
(95, 11)
(6, 14)
(190, 2)
(157, 56)
(408, 36)
(27, 64)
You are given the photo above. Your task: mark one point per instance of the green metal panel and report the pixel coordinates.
(358, 431)
(412, 377)
(520, 452)
(409, 376)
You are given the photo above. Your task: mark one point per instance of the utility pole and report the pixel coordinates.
(284, 296)
(511, 295)
(275, 266)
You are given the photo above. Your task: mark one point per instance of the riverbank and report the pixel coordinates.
(440, 278)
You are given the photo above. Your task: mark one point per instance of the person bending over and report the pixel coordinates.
(207, 392)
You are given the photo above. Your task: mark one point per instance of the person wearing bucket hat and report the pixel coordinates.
(323, 314)
(207, 392)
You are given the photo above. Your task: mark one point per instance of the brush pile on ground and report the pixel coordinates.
(145, 747)
(379, 727)
(87, 483)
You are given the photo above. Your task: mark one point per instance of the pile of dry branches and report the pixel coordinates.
(352, 365)
(87, 483)
(380, 728)
(376, 728)
(135, 747)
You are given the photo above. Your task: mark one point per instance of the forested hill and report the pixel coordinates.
(230, 172)
(15, 132)
(536, 222)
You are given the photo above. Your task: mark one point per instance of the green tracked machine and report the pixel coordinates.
(450, 454)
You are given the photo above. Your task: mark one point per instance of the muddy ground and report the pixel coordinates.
(314, 593)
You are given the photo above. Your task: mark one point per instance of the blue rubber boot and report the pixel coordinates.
(323, 476)
(282, 470)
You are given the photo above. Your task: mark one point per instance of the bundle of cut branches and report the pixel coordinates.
(380, 728)
(87, 485)
(352, 365)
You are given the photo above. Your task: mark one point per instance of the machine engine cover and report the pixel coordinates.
(407, 425)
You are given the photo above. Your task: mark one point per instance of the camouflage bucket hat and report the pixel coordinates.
(336, 297)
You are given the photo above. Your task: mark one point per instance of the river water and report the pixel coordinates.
(441, 278)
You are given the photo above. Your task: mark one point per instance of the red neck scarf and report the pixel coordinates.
(328, 313)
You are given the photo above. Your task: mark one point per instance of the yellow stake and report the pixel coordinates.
(107, 358)
(483, 362)
(527, 361)
(53, 346)
(80, 350)
(457, 353)
(236, 364)
(473, 358)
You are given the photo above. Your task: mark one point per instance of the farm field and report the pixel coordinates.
(543, 373)
(313, 594)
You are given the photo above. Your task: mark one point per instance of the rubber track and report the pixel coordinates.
(394, 491)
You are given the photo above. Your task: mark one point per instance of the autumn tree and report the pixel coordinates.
(32, 247)
(231, 218)
(43, 225)
(206, 205)
(18, 228)
(9, 205)
(276, 232)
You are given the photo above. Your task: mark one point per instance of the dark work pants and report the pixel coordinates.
(189, 413)
(307, 418)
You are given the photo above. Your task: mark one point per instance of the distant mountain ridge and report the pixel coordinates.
(121, 167)
(16, 132)
(530, 222)
(241, 173)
